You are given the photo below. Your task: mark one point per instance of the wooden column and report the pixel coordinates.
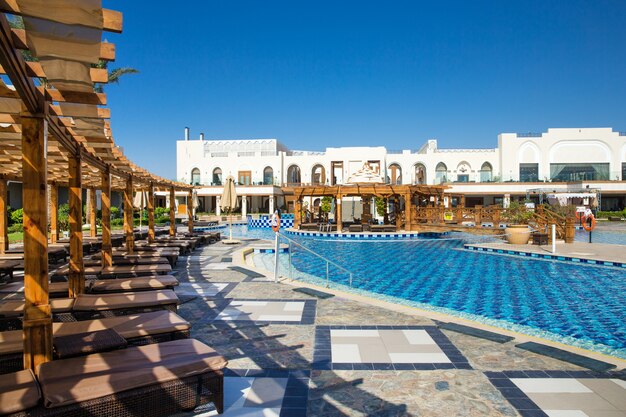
(129, 228)
(338, 220)
(172, 212)
(4, 216)
(151, 213)
(77, 271)
(37, 322)
(190, 210)
(297, 215)
(54, 213)
(93, 227)
(107, 249)
(408, 211)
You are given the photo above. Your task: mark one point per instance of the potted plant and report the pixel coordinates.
(517, 217)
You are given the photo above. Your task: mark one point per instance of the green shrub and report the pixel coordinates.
(117, 222)
(16, 216)
(63, 217)
(161, 212)
(607, 214)
(115, 213)
(162, 219)
(517, 213)
(16, 228)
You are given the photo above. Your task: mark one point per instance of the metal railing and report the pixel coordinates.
(323, 258)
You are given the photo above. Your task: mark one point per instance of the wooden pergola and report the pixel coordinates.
(409, 193)
(55, 131)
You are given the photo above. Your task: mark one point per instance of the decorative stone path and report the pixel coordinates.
(291, 354)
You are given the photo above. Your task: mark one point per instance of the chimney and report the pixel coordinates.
(201, 136)
(186, 133)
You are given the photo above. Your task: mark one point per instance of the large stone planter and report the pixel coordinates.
(517, 234)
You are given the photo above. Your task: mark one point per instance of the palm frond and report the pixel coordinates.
(115, 74)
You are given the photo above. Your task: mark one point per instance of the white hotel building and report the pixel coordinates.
(559, 160)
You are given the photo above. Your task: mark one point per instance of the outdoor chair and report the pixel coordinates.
(152, 380)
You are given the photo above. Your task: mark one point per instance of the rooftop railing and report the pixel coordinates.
(529, 135)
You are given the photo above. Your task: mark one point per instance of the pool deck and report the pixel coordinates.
(578, 250)
(294, 354)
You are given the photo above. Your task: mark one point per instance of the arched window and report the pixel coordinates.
(486, 172)
(318, 174)
(463, 172)
(441, 173)
(217, 176)
(420, 174)
(268, 176)
(195, 176)
(293, 175)
(395, 174)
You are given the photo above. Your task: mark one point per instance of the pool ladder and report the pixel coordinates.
(328, 261)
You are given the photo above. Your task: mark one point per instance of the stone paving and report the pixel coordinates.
(285, 367)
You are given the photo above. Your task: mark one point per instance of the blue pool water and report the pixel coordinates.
(583, 304)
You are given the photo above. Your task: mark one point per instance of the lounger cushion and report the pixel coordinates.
(157, 283)
(131, 326)
(15, 308)
(18, 391)
(97, 302)
(94, 376)
(53, 287)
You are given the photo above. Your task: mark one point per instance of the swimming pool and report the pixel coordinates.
(572, 303)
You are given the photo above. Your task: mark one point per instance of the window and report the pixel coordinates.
(245, 177)
(293, 175)
(420, 174)
(268, 176)
(486, 172)
(441, 173)
(623, 171)
(195, 176)
(336, 168)
(395, 174)
(318, 174)
(462, 178)
(217, 176)
(529, 172)
(579, 172)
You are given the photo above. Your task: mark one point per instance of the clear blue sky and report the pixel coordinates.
(348, 73)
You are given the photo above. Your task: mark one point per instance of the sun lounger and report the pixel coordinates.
(94, 306)
(159, 282)
(183, 247)
(170, 254)
(55, 254)
(55, 289)
(119, 271)
(355, 228)
(11, 312)
(117, 261)
(153, 380)
(7, 267)
(137, 329)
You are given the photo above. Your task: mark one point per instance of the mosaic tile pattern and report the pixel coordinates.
(275, 311)
(385, 348)
(562, 394)
(213, 289)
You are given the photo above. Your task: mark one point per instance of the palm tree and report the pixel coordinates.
(114, 75)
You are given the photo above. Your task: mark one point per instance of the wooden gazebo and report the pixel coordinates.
(55, 131)
(412, 196)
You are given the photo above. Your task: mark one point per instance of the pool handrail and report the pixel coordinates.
(328, 261)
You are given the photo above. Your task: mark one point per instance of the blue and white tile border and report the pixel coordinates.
(544, 256)
(522, 403)
(322, 359)
(296, 396)
(308, 313)
(366, 235)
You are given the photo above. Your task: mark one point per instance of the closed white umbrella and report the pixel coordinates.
(140, 201)
(229, 203)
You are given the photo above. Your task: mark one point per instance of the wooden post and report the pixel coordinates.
(297, 215)
(37, 322)
(408, 209)
(54, 213)
(151, 213)
(190, 211)
(77, 271)
(129, 226)
(570, 230)
(172, 212)
(93, 227)
(338, 220)
(107, 249)
(4, 217)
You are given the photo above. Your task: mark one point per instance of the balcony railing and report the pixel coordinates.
(529, 135)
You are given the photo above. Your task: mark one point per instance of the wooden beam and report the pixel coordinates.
(107, 50)
(93, 227)
(107, 248)
(338, 219)
(37, 322)
(54, 213)
(128, 216)
(151, 213)
(4, 216)
(34, 69)
(77, 271)
(408, 211)
(190, 211)
(112, 20)
(98, 99)
(172, 212)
